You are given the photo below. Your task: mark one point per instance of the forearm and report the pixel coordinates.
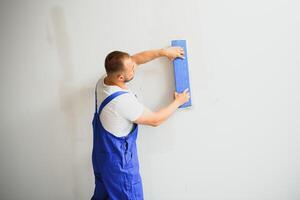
(166, 112)
(146, 56)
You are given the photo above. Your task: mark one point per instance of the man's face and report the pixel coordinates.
(129, 70)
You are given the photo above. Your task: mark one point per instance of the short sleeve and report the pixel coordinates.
(129, 107)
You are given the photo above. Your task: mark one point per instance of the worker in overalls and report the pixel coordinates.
(115, 125)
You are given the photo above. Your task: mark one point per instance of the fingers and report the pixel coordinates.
(180, 49)
(181, 53)
(185, 91)
(180, 56)
(183, 96)
(176, 52)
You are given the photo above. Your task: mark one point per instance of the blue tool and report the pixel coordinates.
(181, 71)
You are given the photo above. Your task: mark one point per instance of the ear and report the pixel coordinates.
(120, 77)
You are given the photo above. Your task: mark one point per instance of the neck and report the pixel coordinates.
(108, 80)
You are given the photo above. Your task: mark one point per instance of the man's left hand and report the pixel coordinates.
(173, 52)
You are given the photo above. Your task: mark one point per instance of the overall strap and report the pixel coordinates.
(109, 98)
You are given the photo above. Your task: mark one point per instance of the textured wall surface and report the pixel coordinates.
(239, 141)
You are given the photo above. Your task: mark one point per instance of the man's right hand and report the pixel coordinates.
(156, 118)
(183, 97)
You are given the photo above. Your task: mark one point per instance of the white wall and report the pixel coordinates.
(239, 141)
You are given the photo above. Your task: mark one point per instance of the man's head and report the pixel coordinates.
(120, 66)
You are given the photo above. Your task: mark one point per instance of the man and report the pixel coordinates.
(115, 124)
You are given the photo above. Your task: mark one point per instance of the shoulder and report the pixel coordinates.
(128, 106)
(126, 97)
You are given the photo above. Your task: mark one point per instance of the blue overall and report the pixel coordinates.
(115, 161)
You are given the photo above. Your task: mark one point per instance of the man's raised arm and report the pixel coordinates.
(146, 56)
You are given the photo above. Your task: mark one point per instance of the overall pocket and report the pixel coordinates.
(135, 186)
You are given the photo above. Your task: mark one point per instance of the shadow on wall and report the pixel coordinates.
(73, 104)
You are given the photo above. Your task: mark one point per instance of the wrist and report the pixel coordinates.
(177, 103)
(162, 52)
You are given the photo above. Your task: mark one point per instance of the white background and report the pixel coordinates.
(239, 141)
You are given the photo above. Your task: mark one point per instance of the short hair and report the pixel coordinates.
(114, 61)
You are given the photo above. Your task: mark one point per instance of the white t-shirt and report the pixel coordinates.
(118, 115)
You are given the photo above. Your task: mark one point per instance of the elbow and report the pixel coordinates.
(155, 123)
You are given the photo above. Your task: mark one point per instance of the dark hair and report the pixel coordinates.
(114, 61)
